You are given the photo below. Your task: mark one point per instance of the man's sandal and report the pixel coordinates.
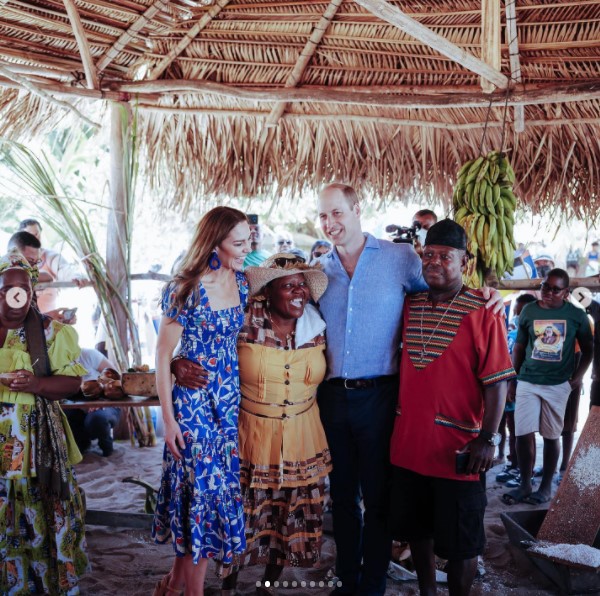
(163, 588)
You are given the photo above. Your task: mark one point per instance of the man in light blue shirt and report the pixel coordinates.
(362, 306)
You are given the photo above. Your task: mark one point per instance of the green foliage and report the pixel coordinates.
(62, 213)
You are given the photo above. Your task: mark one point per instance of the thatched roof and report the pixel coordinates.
(271, 97)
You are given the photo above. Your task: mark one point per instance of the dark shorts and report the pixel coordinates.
(595, 394)
(572, 412)
(448, 511)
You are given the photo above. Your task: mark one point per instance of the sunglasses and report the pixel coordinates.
(283, 261)
(545, 287)
(284, 242)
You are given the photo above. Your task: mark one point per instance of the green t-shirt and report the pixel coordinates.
(549, 335)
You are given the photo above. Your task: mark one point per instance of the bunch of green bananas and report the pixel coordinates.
(484, 205)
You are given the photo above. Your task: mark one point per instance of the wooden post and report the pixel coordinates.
(490, 39)
(116, 264)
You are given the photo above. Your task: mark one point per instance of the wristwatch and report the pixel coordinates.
(492, 438)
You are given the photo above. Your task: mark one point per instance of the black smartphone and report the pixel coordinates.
(462, 459)
(252, 219)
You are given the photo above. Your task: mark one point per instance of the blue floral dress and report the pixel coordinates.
(200, 506)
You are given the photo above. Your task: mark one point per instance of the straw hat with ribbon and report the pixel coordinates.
(283, 264)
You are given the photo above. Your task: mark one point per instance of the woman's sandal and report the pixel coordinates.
(163, 588)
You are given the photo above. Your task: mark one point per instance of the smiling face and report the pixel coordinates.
(288, 296)
(15, 297)
(443, 266)
(339, 220)
(233, 250)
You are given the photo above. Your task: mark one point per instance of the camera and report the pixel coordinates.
(252, 219)
(402, 233)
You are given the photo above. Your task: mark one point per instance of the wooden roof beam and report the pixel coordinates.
(91, 75)
(360, 118)
(305, 56)
(212, 12)
(37, 90)
(490, 39)
(394, 16)
(78, 92)
(112, 52)
(515, 62)
(566, 92)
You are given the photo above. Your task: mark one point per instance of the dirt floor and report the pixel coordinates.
(126, 561)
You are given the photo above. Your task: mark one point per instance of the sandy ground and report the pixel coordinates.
(126, 561)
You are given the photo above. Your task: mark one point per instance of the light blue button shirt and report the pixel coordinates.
(364, 314)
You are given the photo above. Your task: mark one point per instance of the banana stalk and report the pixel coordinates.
(484, 204)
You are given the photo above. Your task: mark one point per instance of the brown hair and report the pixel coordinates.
(348, 192)
(210, 232)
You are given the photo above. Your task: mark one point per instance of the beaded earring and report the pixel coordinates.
(214, 263)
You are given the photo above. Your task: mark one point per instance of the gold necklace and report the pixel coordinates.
(426, 343)
(289, 337)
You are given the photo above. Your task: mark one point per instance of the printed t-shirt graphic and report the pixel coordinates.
(550, 338)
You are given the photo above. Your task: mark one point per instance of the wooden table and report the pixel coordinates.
(131, 401)
(115, 518)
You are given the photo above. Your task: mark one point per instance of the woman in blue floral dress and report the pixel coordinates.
(199, 507)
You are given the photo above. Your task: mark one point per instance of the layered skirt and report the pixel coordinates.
(284, 459)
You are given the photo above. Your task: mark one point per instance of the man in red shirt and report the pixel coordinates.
(453, 380)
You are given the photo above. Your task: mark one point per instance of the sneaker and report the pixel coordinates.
(509, 473)
(516, 482)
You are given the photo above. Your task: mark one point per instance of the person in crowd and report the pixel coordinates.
(546, 376)
(284, 457)
(593, 310)
(592, 260)
(573, 260)
(31, 248)
(94, 423)
(199, 504)
(53, 267)
(543, 264)
(42, 533)
(424, 219)
(362, 308)
(284, 241)
(298, 252)
(453, 380)
(257, 254)
(319, 249)
(507, 423)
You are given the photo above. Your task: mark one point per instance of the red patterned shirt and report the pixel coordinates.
(449, 355)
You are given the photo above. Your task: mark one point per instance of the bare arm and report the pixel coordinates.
(52, 388)
(518, 357)
(587, 353)
(169, 334)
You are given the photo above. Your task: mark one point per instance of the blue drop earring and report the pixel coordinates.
(214, 263)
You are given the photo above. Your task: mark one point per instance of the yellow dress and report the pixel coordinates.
(284, 457)
(42, 543)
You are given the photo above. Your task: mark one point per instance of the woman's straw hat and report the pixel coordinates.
(283, 264)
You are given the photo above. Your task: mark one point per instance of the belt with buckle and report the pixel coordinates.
(363, 383)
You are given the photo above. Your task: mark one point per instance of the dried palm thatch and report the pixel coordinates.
(268, 98)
